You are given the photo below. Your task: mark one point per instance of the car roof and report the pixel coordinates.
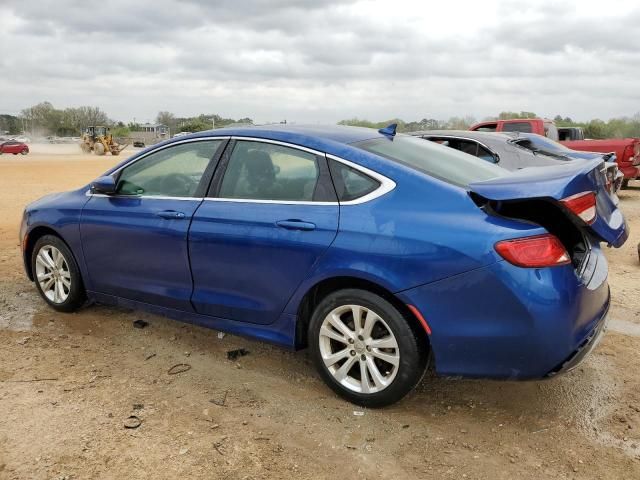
(298, 133)
(487, 136)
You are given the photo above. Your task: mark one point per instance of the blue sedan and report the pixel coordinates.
(382, 253)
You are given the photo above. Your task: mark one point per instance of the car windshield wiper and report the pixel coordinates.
(549, 153)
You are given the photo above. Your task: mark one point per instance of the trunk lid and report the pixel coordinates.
(557, 183)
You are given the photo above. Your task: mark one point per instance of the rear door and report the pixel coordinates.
(271, 214)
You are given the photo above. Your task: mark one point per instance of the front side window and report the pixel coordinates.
(441, 162)
(265, 171)
(172, 172)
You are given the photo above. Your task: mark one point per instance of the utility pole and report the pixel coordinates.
(213, 123)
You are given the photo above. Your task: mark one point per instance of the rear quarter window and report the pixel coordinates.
(350, 183)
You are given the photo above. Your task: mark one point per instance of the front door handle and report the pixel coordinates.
(296, 225)
(171, 215)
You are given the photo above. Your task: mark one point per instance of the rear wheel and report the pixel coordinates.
(56, 274)
(24, 151)
(365, 349)
(625, 184)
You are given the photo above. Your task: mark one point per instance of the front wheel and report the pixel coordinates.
(56, 274)
(24, 151)
(365, 349)
(625, 184)
(98, 148)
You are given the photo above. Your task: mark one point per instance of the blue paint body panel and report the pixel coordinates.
(133, 253)
(244, 266)
(227, 264)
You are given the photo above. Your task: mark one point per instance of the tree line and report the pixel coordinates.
(45, 119)
(621, 127)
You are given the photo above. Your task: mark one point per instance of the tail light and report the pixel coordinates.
(583, 205)
(534, 252)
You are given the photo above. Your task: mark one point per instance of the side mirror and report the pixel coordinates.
(496, 158)
(105, 185)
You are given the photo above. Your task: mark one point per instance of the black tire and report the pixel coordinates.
(625, 184)
(413, 351)
(76, 295)
(24, 151)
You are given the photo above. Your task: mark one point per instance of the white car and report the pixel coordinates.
(182, 134)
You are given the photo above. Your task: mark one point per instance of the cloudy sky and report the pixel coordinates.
(322, 60)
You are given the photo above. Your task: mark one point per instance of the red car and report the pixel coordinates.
(14, 147)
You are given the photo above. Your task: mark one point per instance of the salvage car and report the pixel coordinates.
(381, 252)
(627, 150)
(514, 150)
(543, 145)
(14, 147)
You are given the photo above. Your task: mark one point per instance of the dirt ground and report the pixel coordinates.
(68, 383)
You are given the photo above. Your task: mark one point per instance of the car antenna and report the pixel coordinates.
(389, 130)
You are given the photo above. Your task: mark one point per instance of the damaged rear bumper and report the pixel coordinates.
(589, 344)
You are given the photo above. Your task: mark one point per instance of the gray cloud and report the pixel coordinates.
(321, 60)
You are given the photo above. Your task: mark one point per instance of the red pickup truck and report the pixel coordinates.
(627, 150)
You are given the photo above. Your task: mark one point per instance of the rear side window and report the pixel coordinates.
(469, 147)
(350, 183)
(489, 127)
(265, 171)
(524, 127)
(441, 162)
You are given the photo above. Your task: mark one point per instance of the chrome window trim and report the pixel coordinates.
(135, 197)
(386, 184)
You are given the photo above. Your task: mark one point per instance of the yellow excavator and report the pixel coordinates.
(98, 139)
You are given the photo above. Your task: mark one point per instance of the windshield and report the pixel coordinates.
(433, 159)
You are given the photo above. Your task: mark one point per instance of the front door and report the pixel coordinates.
(272, 215)
(135, 242)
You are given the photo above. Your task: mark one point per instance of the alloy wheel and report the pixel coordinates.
(359, 349)
(53, 274)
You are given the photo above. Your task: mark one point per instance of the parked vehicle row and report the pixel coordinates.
(627, 150)
(513, 151)
(383, 253)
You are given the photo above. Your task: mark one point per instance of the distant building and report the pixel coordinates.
(157, 128)
(150, 133)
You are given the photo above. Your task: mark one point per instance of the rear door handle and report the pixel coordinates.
(171, 215)
(296, 225)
